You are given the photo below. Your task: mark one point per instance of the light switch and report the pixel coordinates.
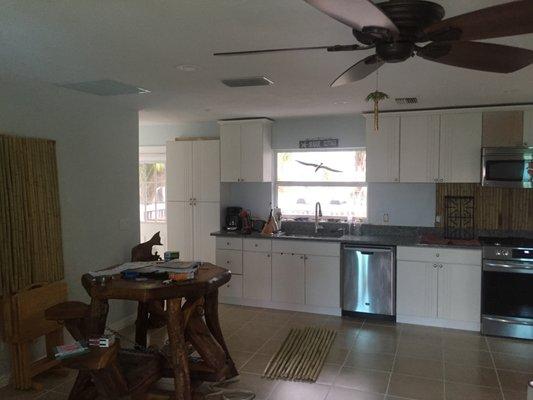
(386, 218)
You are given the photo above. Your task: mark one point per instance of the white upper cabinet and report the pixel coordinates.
(383, 150)
(419, 148)
(179, 166)
(206, 170)
(460, 148)
(193, 170)
(230, 153)
(245, 150)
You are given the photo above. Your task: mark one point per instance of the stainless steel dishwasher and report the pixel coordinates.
(368, 281)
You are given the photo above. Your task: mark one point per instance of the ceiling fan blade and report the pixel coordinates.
(356, 14)
(359, 70)
(479, 56)
(337, 47)
(508, 19)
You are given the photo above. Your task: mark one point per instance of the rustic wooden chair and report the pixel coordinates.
(110, 373)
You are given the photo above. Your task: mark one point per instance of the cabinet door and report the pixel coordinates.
(416, 289)
(288, 278)
(459, 292)
(257, 275)
(230, 153)
(528, 128)
(322, 281)
(503, 128)
(252, 152)
(460, 148)
(233, 288)
(206, 220)
(206, 170)
(180, 228)
(179, 171)
(230, 259)
(419, 148)
(383, 150)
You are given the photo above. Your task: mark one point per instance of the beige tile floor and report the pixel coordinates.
(369, 361)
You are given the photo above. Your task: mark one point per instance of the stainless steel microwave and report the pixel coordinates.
(507, 167)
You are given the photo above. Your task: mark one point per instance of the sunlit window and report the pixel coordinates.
(334, 178)
(152, 191)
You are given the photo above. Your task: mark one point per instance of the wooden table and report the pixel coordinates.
(187, 302)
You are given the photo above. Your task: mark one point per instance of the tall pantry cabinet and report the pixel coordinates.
(193, 197)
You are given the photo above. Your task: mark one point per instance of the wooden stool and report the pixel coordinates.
(107, 372)
(24, 321)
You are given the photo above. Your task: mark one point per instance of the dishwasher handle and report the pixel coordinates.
(368, 250)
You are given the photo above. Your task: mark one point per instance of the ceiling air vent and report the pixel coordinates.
(104, 87)
(244, 82)
(406, 100)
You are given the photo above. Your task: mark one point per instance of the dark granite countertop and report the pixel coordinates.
(377, 240)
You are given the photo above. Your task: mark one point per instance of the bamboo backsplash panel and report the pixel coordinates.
(495, 208)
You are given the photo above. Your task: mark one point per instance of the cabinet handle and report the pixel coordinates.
(305, 257)
(227, 262)
(301, 257)
(255, 245)
(227, 243)
(434, 265)
(440, 266)
(437, 255)
(268, 255)
(441, 180)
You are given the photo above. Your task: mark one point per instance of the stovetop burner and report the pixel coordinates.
(506, 241)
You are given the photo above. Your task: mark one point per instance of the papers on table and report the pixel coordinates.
(172, 266)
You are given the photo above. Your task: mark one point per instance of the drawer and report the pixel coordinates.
(262, 245)
(439, 254)
(309, 247)
(229, 243)
(233, 288)
(230, 259)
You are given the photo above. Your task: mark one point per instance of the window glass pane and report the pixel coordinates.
(336, 201)
(322, 166)
(152, 178)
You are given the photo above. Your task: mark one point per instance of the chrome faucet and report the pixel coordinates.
(318, 214)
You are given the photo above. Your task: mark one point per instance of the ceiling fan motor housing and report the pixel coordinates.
(411, 17)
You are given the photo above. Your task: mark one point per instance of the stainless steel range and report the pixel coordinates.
(507, 287)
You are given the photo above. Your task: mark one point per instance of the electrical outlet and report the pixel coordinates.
(386, 218)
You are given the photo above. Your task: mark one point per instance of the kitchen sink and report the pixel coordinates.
(319, 234)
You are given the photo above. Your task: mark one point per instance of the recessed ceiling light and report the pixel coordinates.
(187, 67)
(340, 102)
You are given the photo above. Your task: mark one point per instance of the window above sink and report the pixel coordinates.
(335, 178)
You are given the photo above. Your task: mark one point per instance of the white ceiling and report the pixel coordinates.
(141, 41)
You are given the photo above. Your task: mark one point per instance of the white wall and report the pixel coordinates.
(97, 150)
(406, 204)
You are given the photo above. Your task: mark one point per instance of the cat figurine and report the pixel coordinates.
(143, 251)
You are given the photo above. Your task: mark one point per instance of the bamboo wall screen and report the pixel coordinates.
(495, 208)
(30, 224)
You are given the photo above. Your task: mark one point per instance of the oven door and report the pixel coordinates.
(507, 300)
(508, 167)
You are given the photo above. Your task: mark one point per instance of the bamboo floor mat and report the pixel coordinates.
(301, 356)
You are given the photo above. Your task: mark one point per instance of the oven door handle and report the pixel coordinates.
(515, 268)
(516, 321)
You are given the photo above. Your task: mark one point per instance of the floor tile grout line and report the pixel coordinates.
(393, 362)
(495, 369)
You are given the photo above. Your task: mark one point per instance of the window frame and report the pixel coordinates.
(152, 155)
(277, 183)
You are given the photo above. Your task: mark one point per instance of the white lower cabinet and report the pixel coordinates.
(233, 288)
(257, 275)
(286, 274)
(288, 278)
(322, 281)
(440, 287)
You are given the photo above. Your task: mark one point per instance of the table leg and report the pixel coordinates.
(141, 324)
(213, 323)
(98, 317)
(178, 350)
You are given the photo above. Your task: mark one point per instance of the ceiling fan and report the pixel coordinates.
(395, 28)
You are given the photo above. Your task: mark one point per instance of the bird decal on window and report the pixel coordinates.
(318, 166)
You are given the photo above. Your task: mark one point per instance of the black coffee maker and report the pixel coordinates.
(233, 221)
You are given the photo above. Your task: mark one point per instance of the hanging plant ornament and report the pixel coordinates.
(376, 97)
